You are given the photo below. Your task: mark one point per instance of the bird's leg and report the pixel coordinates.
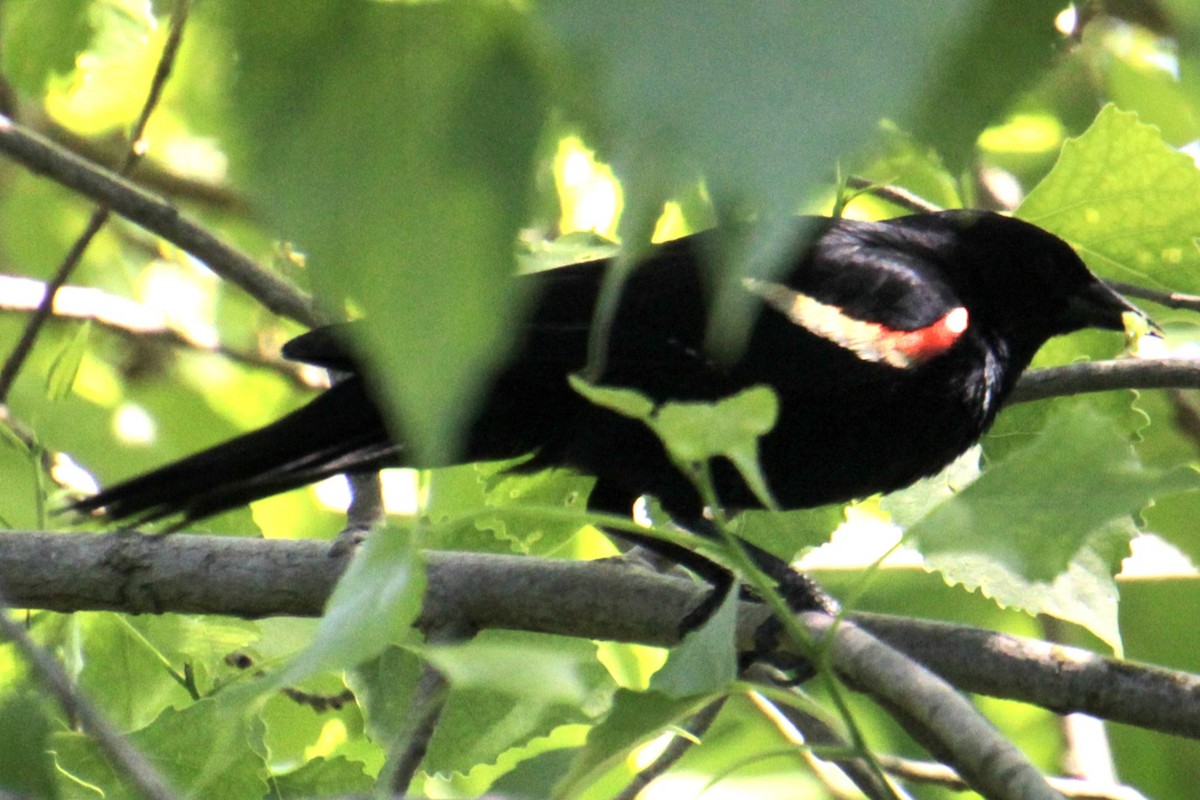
(799, 590)
(364, 514)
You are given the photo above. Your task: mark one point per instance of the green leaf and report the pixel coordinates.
(373, 605)
(203, 750)
(538, 668)
(787, 533)
(526, 532)
(1127, 201)
(26, 768)
(1084, 593)
(626, 402)
(706, 660)
(1033, 511)
(703, 92)
(509, 689)
(405, 173)
(896, 158)
(636, 717)
(383, 687)
(322, 777)
(43, 38)
(128, 676)
(65, 364)
(1044, 530)
(690, 90)
(1000, 48)
(695, 433)
(911, 503)
(730, 427)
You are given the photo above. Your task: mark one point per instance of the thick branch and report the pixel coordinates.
(940, 719)
(600, 600)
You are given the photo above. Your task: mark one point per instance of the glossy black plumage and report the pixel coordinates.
(848, 427)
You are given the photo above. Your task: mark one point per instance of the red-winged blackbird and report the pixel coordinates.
(891, 346)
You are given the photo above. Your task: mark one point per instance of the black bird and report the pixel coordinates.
(891, 346)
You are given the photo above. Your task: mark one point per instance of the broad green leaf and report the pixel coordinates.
(787, 533)
(374, 604)
(26, 768)
(537, 774)
(404, 172)
(43, 38)
(297, 727)
(107, 86)
(539, 669)
(483, 507)
(1033, 511)
(203, 750)
(706, 660)
(1084, 593)
(509, 689)
(635, 718)
(1001, 47)
(695, 433)
(896, 158)
(724, 93)
(1127, 201)
(1155, 94)
(911, 503)
(730, 427)
(626, 402)
(383, 686)
(124, 671)
(321, 777)
(525, 531)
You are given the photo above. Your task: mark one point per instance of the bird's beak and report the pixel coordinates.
(1099, 306)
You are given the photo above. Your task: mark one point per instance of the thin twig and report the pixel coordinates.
(696, 727)
(150, 174)
(128, 318)
(1186, 416)
(120, 754)
(20, 353)
(807, 731)
(1103, 376)
(893, 194)
(16, 359)
(408, 751)
(932, 773)
(1178, 300)
(156, 215)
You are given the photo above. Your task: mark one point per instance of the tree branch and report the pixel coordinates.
(129, 318)
(1103, 376)
(33, 325)
(940, 719)
(1176, 300)
(156, 215)
(607, 600)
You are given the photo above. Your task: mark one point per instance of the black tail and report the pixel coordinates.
(339, 431)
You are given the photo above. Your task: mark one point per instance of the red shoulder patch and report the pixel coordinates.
(870, 341)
